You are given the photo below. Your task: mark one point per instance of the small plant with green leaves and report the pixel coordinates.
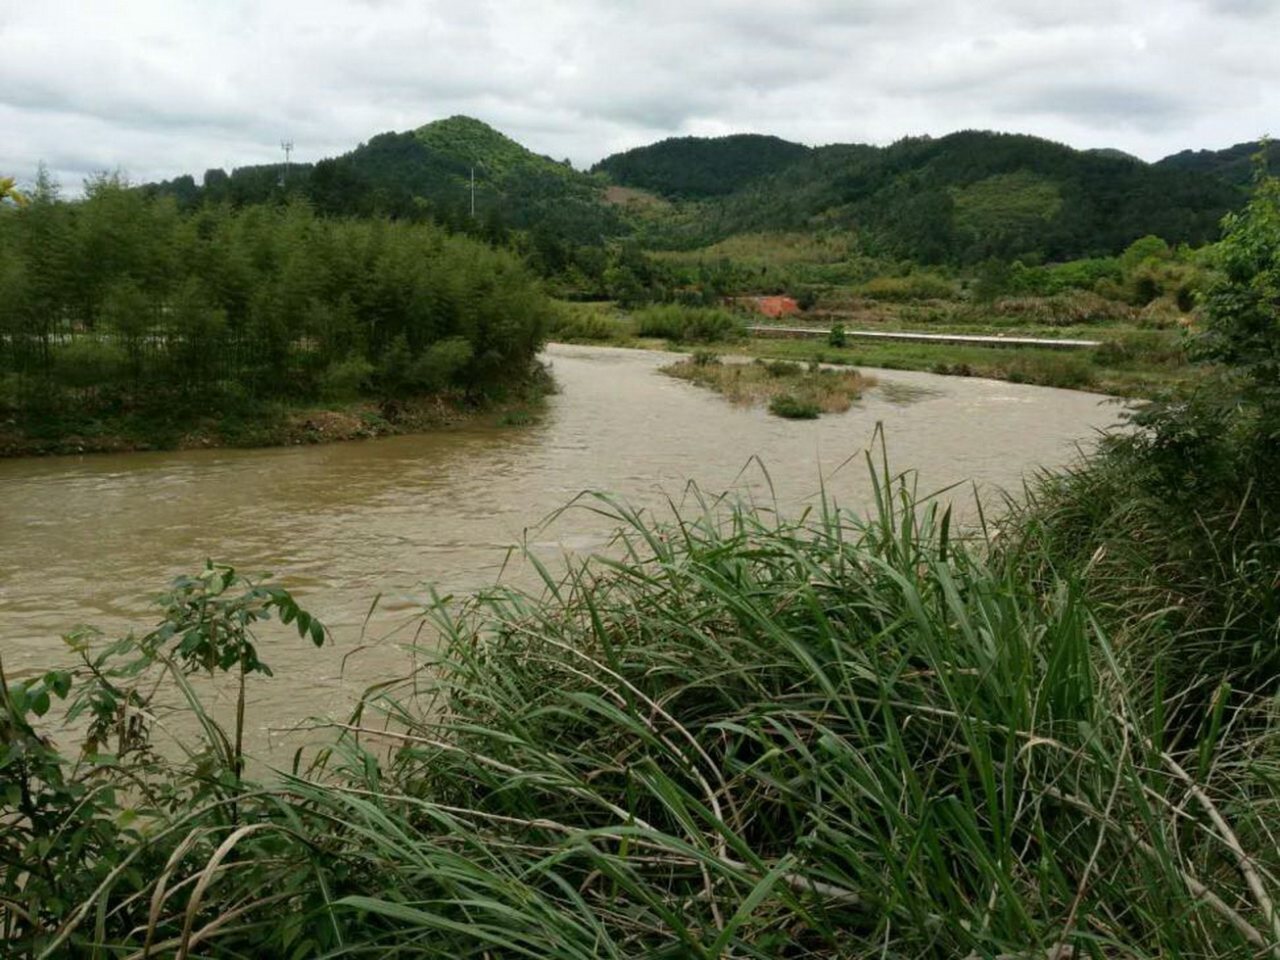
(72, 823)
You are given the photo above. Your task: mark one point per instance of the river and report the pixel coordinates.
(91, 539)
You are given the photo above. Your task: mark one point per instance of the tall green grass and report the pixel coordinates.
(687, 324)
(576, 322)
(742, 735)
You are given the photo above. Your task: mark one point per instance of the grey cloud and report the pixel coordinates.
(161, 87)
(1246, 9)
(1102, 102)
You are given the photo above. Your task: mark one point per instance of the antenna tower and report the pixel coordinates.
(287, 147)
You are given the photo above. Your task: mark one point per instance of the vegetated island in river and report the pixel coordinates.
(790, 390)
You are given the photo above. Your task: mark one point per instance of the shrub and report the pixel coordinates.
(590, 325)
(1052, 370)
(914, 286)
(1163, 313)
(85, 364)
(781, 368)
(345, 379)
(836, 337)
(1242, 322)
(687, 324)
(806, 298)
(1077, 308)
(1082, 274)
(442, 364)
(794, 408)
(1143, 249)
(1146, 347)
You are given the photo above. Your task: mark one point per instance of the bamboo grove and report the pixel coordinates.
(119, 302)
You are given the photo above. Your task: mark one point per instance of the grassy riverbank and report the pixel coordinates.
(1130, 363)
(266, 424)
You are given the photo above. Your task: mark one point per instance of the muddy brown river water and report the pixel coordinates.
(91, 539)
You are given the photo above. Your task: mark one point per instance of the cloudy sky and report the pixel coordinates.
(161, 87)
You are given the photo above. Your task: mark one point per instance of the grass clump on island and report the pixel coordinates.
(789, 389)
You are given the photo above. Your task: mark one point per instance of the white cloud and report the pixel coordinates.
(161, 87)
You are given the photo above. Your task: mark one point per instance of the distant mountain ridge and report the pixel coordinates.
(965, 197)
(962, 197)
(1234, 165)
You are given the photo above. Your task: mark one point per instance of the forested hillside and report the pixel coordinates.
(1233, 164)
(696, 167)
(959, 199)
(426, 174)
(974, 195)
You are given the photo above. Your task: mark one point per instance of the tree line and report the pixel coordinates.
(123, 301)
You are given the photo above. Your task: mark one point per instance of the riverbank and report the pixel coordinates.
(1127, 363)
(267, 425)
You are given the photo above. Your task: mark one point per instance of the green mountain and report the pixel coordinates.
(1233, 165)
(698, 167)
(467, 141)
(961, 198)
(970, 196)
(427, 172)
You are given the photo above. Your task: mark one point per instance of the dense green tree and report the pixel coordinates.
(1243, 307)
(961, 199)
(121, 300)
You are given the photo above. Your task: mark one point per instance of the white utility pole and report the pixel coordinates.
(287, 147)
